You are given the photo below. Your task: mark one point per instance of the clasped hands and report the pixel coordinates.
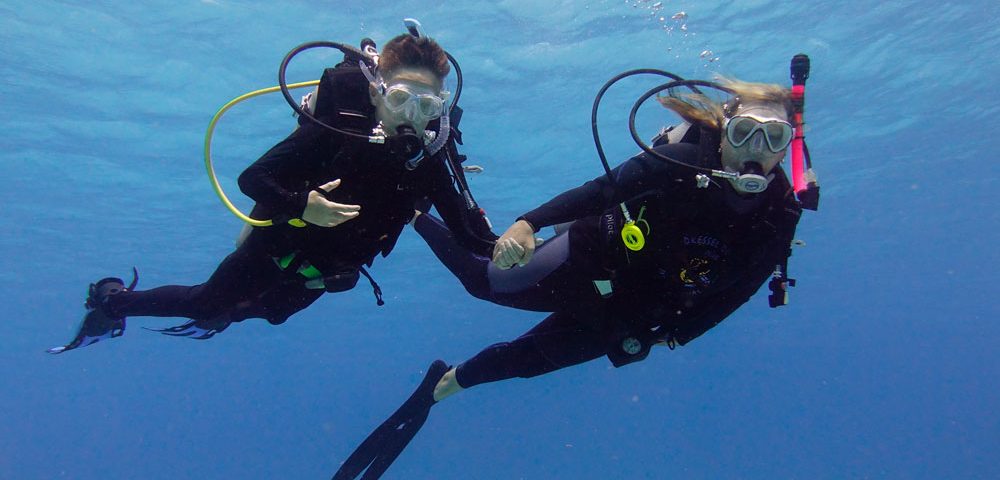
(515, 246)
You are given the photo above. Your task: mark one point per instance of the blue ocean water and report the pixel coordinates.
(885, 365)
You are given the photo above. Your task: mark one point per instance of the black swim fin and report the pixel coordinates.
(196, 329)
(100, 322)
(374, 456)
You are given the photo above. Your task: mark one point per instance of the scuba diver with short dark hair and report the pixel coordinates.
(696, 249)
(339, 191)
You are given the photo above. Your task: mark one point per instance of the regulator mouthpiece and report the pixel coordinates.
(751, 179)
(406, 145)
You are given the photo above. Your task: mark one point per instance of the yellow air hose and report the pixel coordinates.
(208, 154)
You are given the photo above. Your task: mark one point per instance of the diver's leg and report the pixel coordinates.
(545, 284)
(559, 341)
(548, 283)
(242, 275)
(278, 303)
(469, 268)
(281, 299)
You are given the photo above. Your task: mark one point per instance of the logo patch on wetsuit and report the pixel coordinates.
(702, 261)
(697, 271)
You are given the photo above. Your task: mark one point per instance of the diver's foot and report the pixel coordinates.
(425, 393)
(101, 320)
(446, 386)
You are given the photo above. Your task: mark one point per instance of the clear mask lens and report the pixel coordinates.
(400, 99)
(777, 133)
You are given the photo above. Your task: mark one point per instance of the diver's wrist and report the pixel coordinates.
(528, 222)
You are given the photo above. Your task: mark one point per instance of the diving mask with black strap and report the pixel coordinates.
(756, 138)
(413, 105)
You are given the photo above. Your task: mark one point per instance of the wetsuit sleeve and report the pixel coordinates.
(469, 227)
(637, 175)
(280, 180)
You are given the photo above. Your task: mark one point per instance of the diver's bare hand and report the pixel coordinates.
(324, 213)
(515, 246)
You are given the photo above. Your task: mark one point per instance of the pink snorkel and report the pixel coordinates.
(803, 178)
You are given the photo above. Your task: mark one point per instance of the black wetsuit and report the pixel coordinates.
(249, 282)
(707, 252)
